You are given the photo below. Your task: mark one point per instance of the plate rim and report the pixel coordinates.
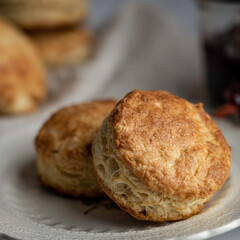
(31, 130)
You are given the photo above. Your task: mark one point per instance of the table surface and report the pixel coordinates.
(186, 13)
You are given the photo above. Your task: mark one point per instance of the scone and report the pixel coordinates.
(22, 73)
(63, 147)
(159, 157)
(63, 47)
(44, 14)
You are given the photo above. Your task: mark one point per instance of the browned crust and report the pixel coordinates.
(80, 121)
(172, 145)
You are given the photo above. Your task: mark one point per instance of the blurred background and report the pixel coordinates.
(106, 48)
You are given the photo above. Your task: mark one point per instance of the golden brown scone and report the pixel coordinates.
(63, 146)
(159, 157)
(62, 47)
(44, 14)
(22, 73)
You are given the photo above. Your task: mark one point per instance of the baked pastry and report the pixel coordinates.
(22, 73)
(159, 157)
(62, 47)
(44, 14)
(63, 147)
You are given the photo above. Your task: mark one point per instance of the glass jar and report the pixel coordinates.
(220, 26)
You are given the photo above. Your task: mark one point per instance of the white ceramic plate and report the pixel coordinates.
(29, 211)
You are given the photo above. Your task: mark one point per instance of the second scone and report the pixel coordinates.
(63, 146)
(159, 157)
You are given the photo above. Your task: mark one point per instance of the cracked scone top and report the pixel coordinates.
(160, 157)
(63, 147)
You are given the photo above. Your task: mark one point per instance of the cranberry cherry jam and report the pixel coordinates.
(223, 69)
(221, 39)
